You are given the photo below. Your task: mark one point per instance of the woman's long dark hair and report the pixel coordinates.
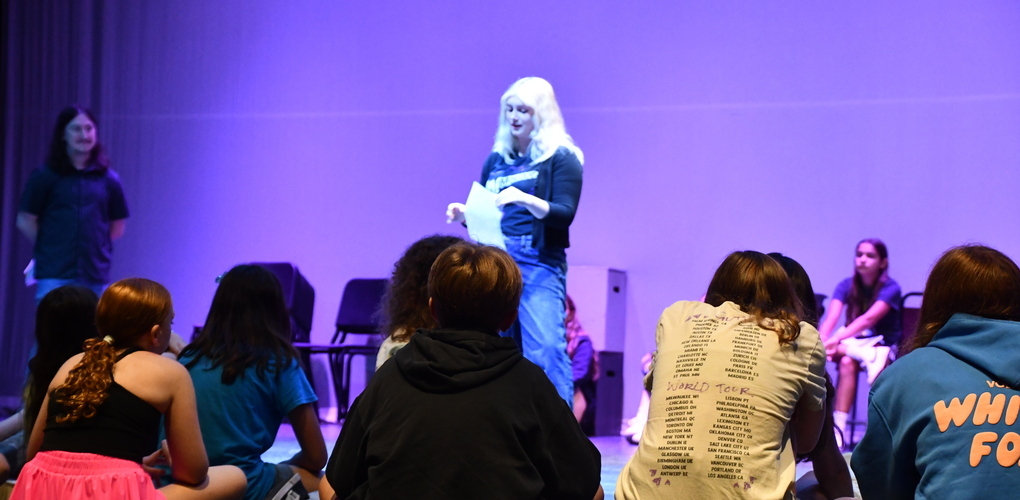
(405, 306)
(757, 284)
(971, 279)
(248, 325)
(58, 160)
(861, 296)
(127, 310)
(65, 319)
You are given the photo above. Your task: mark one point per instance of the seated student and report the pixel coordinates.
(871, 300)
(830, 476)
(247, 379)
(942, 418)
(64, 320)
(99, 422)
(737, 388)
(459, 412)
(405, 306)
(584, 364)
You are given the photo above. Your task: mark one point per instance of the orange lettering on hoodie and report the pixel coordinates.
(956, 412)
(978, 448)
(989, 409)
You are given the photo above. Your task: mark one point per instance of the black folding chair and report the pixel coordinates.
(358, 314)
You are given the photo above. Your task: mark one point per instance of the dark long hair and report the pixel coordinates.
(757, 284)
(971, 279)
(801, 285)
(861, 296)
(247, 326)
(127, 310)
(58, 160)
(405, 306)
(65, 319)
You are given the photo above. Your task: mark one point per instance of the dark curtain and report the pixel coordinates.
(49, 56)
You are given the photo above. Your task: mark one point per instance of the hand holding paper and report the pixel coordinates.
(483, 217)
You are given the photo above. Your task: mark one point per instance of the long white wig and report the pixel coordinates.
(549, 132)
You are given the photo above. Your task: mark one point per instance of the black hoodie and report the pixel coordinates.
(461, 414)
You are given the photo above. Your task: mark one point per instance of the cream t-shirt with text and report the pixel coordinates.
(723, 391)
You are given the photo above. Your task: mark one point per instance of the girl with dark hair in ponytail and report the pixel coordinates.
(99, 423)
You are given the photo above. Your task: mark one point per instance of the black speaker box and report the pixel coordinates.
(609, 394)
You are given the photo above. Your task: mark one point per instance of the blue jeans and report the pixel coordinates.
(540, 329)
(47, 285)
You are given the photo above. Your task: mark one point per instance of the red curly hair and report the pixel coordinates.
(127, 311)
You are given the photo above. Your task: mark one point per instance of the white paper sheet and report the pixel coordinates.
(483, 217)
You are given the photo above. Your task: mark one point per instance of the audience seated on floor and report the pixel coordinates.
(247, 379)
(942, 418)
(97, 432)
(459, 412)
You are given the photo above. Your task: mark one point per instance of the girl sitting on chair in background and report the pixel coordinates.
(248, 379)
(99, 423)
(871, 300)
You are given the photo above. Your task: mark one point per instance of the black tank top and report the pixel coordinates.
(125, 426)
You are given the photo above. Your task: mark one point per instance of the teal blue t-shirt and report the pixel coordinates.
(239, 421)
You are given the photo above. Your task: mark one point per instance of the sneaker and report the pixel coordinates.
(287, 485)
(877, 363)
(862, 348)
(633, 433)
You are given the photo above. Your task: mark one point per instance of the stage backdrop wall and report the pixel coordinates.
(333, 134)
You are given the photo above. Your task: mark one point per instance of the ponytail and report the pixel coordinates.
(127, 310)
(86, 385)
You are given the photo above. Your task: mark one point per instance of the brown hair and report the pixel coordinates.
(474, 287)
(971, 279)
(802, 286)
(127, 311)
(406, 302)
(861, 297)
(757, 284)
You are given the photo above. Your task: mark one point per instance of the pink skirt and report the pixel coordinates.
(81, 476)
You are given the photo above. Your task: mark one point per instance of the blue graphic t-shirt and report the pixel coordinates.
(517, 220)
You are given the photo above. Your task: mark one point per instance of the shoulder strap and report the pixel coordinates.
(129, 350)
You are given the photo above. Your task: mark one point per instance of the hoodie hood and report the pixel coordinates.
(446, 361)
(973, 340)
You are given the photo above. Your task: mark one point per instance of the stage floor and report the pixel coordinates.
(615, 453)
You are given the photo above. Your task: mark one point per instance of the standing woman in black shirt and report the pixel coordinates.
(535, 168)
